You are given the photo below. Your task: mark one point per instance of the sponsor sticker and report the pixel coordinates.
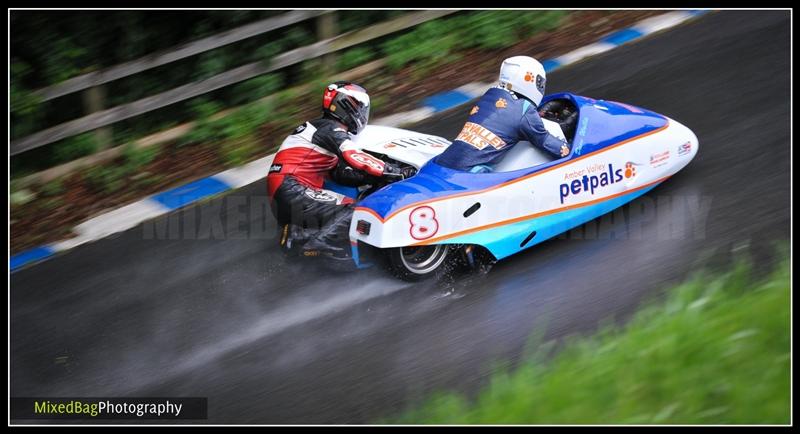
(368, 160)
(540, 81)
(479, 137)
(593, 178)
(659, 159)
(630, 169)
(320, 195)
(685, 148)
(275, 168)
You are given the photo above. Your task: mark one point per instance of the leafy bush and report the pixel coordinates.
(237, 152)
(250, 117)
(210, 64)
(378, 102)
(256, 88)
(146, 179)
(111, 178)
(433, 42)
(52, 188)
(354, 20)
(497, 29)
(75, 147)
(71, 47)
(430, 41)
(52, 203)
(205, 128)
(106, 179)
(62, 63)
(354, 57)
(269, 50)
(21, 197)
(287, 108)
(313, 70)
(717, 351)
(202, 131)
(241, 122)
(204, 108)
(297, 36)
(137, 157)
(24, 103)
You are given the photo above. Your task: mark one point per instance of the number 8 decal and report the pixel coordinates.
(423, 223)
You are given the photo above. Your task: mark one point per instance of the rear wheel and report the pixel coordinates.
(418, 262)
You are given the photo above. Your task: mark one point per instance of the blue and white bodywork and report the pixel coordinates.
(618, 153)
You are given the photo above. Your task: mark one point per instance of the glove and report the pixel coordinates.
(394, 173)
(564, 150)
(408, 171)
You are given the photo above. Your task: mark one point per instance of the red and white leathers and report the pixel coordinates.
(312, 153)
(318, 150)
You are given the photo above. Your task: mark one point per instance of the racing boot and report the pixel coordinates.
(333, 241)
(292, 239)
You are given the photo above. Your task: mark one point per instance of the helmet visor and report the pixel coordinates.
(358, 105)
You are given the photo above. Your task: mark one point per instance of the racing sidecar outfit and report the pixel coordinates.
(500, 119)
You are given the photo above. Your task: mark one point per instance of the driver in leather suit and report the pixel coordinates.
(308, 214)
(504, 115)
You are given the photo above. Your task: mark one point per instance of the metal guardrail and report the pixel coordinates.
(110, 116)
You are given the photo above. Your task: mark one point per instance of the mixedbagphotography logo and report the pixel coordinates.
(109, 408)
(235, 216)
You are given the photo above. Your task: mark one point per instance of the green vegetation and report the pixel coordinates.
(52, 188)
(238, 152)
(111, 178)
(105, 179)
(135, 157)
(76, 147)
(435, 42)
(256, 88)
(355, 57)
(70, 48)
(52, 203)
(717, 351)
(146, 179)
(215, 129)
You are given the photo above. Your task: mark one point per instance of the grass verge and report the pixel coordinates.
(716, 351)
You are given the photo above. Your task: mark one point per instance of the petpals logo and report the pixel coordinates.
(594, 177)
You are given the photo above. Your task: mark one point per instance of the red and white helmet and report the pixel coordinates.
(347, 102)
(524, 75)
